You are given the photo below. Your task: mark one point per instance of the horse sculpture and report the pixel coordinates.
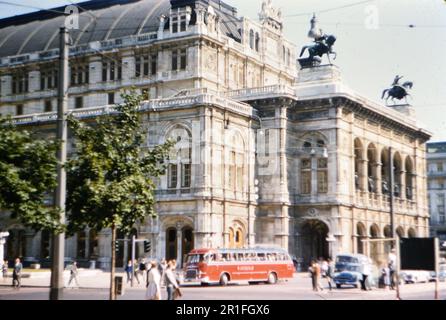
(397, 91)
(323, 45)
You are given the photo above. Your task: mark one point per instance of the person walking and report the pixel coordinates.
(17, 274)
(5, 269)
(73, 274)
(153, 283)
(128, 271)
(385, 272)
(136, 270)
(330, 273)
(170, 280)
(162, 269)
(365, 273)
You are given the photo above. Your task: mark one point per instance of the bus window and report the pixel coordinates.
(210, 257)
(224, 257)
(261, 257)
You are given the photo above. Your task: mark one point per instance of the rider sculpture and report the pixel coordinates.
(323, 44)
(397, 91)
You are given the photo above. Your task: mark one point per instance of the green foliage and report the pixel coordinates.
(110, 180)
(28, 172)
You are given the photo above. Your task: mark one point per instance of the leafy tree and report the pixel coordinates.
(27, 176)
(110, 180)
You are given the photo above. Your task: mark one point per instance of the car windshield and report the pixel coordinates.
(346, 259)
(346, 267)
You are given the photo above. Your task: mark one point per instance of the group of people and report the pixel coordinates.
(321, 269)
(388, 273)
(159, 275)
(16, 272)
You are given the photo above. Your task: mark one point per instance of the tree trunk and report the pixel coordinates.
(113, 262)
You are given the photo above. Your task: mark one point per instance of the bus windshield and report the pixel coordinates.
(195, 258)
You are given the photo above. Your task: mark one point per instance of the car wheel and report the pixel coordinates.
(338, 286)
(272, 278)
(224, 279)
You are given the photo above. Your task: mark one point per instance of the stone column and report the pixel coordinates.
(363, 180)
(403, 185)
(95, 66)
(104, 243)
(179, 245)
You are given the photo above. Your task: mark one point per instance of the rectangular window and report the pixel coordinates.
(322, 185)
(306, 182)
(111, 98)
(185, 176)
(183, 59)
(19, 109)
(48, 106)
(42, 81)
(119, 71)
(174, 60)
(173, 176)
(153, 61)
(174, 24)
(138, 66)
(104, 71)
(146, 66)
(440, 166)
(112, 70)
(78, 102)
(183, 23)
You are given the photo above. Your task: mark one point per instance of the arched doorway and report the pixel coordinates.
(374, 246)
(171, 243)
(314, 240)
(361, 234)
(236, 236)
(411, 233)
(188, 241)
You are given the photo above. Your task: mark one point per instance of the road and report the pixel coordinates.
(299, 288)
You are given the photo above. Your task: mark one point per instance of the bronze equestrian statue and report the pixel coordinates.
(397, 91)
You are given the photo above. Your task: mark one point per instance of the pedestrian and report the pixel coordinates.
(365, 273)
(142, 268)
(128, 270)
(73, 274)
(385, 272)
(5, 269)
(153, 291)
(17, 274)
(330, 273)
(162, 268)
(136, 270)
(170, 280)
(315, 272)
(324, 267)
(318, 276)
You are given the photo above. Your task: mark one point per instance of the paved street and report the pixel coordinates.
(298, 288)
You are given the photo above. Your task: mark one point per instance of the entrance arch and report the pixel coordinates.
(179, 242)
(314, 240)
(374, 246)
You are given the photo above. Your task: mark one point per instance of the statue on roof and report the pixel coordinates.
(397, 91)
(323, 44)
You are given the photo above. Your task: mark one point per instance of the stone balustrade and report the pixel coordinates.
(267, 91)
(156, 105)
(381, 202)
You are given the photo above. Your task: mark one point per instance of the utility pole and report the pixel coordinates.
(133, 259)
(392, 189)
(57, 281)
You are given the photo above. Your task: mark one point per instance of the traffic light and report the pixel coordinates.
(147, 246)
(116, 246)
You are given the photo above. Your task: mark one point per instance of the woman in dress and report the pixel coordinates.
(153, 283)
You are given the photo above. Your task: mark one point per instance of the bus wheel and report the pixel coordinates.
(272, 278)
(224, 279)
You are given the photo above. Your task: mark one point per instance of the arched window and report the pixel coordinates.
(251, 39)
(371, 168)
(397, 171)
(385, 184)
(359, 174)
(409, 178)
(257, 41)
(179, 162)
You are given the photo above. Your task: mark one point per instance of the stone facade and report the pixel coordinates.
(266, 154)
(436, 188)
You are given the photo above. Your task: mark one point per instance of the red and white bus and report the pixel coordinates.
(236, 265)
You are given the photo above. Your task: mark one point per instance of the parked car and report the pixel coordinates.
(415, 276)
(442, 274)
(348, 270)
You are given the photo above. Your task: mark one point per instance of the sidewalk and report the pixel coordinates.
(87, 278)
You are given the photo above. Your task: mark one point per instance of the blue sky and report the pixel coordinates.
(369, 58)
